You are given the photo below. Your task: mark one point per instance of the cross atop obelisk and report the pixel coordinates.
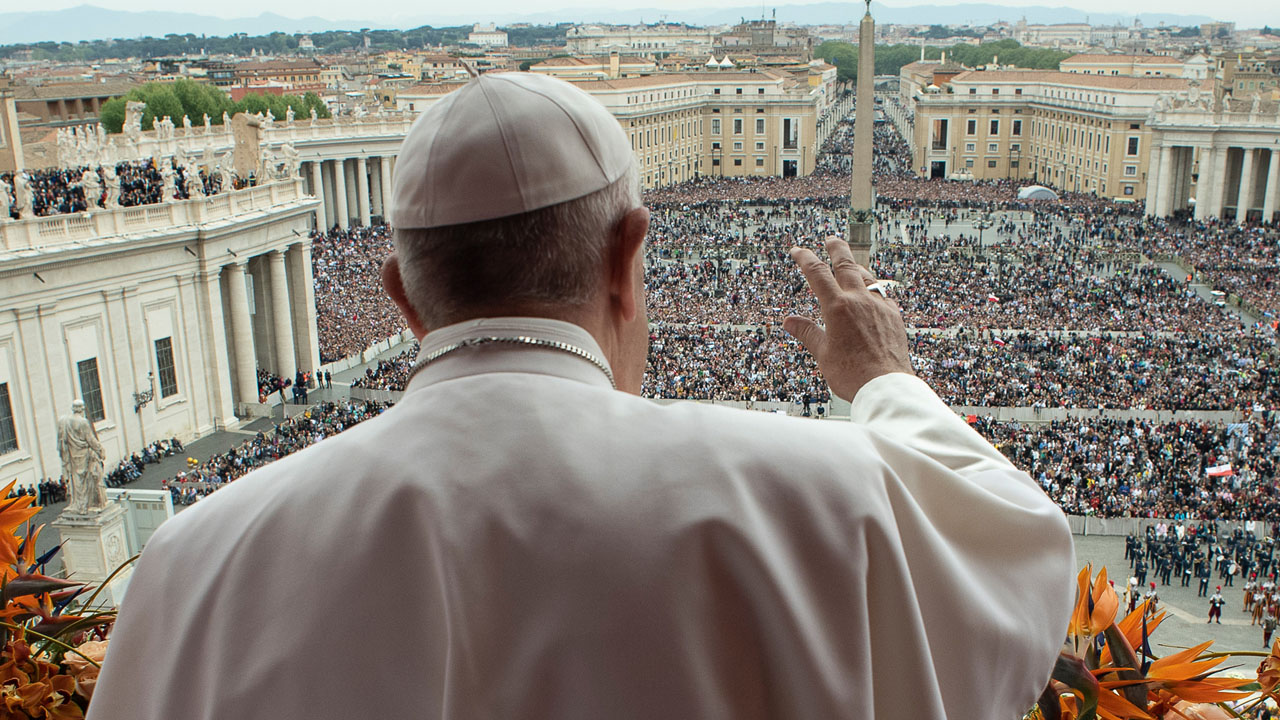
(861, 198)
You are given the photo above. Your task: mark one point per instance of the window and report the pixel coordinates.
(759, 91)
(968, 162)
(995, 91)
(1128, 190)
(971, 128)
(759, 126)
(1133, 126)
(1017, 91)
(1017, 127)
(715, 126)
(973, 91)
(759, 162)
(91, 389)
(715, 162)
(971, 147)
(164, 363)
(739, 91)
(759, 146)
(993, 147)
(1131, 170)
(715, 146)
(995, 127)
(1132, 149)
(716, 91)
(737, 145)
(8, 433)
(790, 134)
(737, 126)
(737, 162)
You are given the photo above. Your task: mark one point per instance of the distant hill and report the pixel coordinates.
(88, 22)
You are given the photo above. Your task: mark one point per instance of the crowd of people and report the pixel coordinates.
(1046, 305)
(290, 436)
(56, 191)
(352, 311)
(1186, 469)
(1146, 370)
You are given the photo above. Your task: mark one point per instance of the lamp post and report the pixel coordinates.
(983, 223)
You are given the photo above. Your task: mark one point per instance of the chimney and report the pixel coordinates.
(615, 70)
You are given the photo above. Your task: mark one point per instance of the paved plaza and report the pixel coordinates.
(1186, 624)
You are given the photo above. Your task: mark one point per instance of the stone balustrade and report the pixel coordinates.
(43, 233)
(193, 142)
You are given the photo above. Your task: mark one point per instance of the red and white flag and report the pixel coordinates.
(1220, 471)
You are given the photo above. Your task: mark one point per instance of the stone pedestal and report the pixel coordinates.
(94, 545)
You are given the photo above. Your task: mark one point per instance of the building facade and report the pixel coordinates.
(156, 316)
(1075, 131)
(656, 39)
(752, 123)
(1215, 158)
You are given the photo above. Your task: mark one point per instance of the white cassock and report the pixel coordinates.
(517, 540)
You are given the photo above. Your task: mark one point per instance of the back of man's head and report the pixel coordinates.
(506, 193)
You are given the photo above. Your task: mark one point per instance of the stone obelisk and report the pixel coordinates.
(861, 196)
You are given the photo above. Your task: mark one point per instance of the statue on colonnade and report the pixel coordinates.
(82, 462)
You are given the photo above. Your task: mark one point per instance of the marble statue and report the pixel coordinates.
(288, 117)
(186, 124)
(1226, 103)
(133, 116)
(4, 200)
(224, 176)
(313, 116)
(92, 188)
(168, 186)
(292, 165)
(269, 121)
(1256, 105)
(82, 462)
(206, 123)
(23, 194)
(195, 184)
(112, 199)
(226, 121)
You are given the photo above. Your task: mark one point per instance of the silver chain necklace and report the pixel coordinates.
(516, 340)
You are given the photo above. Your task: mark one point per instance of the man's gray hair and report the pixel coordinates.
(552, 255)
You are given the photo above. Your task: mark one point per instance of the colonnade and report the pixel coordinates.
(350, 189)
(269, 306)
(1237, 181)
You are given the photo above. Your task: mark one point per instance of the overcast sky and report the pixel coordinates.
(1245, 12)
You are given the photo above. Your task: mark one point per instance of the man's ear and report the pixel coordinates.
(625, 281)
(394, 285)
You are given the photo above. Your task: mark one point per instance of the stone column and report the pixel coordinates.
(317, 189)
(375, 191)
(353, 200)
(1219, 190)
(1271, 192)
(1204, 183)
(384, 167)
(1165, 189)
(1244, 195)
(330, 205)
(280, 316)
(302, 291)
(1154, 183)
(362, 190)
(245, 371)
(340, 193)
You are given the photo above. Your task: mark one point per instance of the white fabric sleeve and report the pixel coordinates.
(904, 408)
